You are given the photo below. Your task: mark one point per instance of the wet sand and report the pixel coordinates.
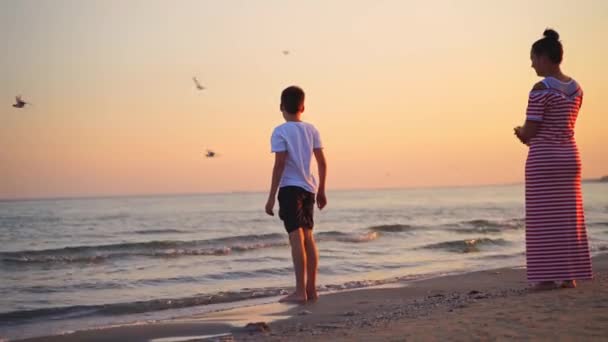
(486, 305)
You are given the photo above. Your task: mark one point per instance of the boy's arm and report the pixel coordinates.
(277, 172)
(322, 164)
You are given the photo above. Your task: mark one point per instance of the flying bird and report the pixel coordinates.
(197, 84)
(19, 103)
(210, 154)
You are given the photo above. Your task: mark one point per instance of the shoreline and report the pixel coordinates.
(477, 305)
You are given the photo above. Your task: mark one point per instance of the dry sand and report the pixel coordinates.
(479, 306)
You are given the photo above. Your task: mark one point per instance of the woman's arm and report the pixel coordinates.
(534, 114)
(528, 131)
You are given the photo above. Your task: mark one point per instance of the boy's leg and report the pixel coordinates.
(298, 254)
(312, 261)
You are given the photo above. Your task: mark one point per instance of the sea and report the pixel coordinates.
(83, 263)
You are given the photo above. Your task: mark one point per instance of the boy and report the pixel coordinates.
(294, 143)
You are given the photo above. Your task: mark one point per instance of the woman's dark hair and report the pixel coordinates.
(549, 46)
(292, 99)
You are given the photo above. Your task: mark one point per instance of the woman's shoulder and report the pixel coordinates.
(540, 86)
(569, 87)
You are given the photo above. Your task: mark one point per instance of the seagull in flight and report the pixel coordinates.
(19, 103)
(197, 84)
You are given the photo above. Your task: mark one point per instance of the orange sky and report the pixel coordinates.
(404, 93)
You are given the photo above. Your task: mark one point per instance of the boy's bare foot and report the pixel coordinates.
(293, 298)
(569, 284)
(312, 295)
(544, 286)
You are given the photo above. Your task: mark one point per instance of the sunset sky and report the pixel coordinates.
(404, 93)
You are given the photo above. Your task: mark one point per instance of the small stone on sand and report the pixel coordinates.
(257, 327)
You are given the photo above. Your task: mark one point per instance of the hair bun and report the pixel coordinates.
(551, 34)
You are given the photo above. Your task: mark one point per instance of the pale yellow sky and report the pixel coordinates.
(404, 93)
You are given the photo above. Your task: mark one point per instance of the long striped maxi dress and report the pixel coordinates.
(557, 247)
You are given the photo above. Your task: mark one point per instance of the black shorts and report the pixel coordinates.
(296, 208)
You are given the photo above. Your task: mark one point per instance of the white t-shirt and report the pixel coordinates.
(298, 139)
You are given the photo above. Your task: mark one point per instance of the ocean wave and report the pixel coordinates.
(159, 231)
(482, 226)
(598, 248)
(168, 248)
(467, 246)
(391, 228)
(114, 284)
(347, 237)
(87, 285)
(111, 217)
(80, 311)
(19, 221)
(100, 253)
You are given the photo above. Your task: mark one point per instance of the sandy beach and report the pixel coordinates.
(396, 170)
(486, 305)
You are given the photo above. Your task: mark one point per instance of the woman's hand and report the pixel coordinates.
(519, 134)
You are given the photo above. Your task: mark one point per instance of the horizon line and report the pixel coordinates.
(184, 194)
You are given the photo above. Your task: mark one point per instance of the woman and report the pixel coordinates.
(557, 249)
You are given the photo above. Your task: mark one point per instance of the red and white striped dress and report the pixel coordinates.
(557, 247)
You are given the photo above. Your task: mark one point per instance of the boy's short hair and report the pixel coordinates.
(292, 99)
